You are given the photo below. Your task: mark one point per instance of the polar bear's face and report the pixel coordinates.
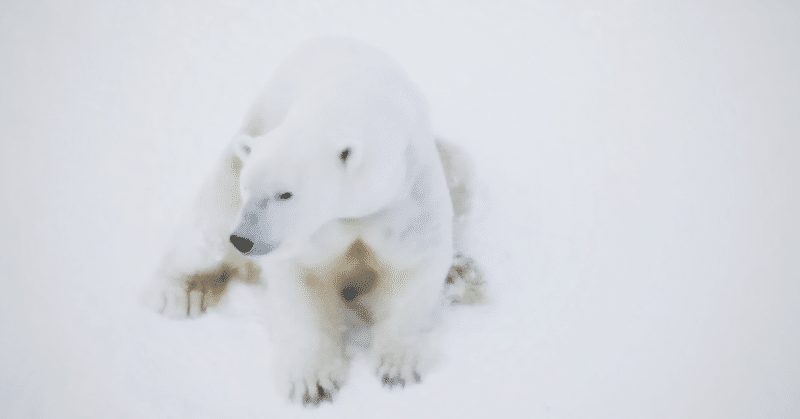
(345, 162)
(287, 193)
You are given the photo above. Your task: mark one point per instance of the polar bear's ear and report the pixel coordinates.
(242, 145)
(350, 156)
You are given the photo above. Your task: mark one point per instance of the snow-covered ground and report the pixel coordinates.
(638, 223)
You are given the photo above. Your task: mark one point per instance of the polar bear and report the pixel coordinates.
(334, 194)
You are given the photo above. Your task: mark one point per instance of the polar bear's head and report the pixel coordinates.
(344, 163)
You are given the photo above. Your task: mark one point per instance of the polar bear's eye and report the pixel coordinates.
(284, 196)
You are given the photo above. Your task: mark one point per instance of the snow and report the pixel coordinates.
(638, 218)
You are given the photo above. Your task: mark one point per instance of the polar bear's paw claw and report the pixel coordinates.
(393, 374)
(392, 381)
(318, 382)
(314, 394)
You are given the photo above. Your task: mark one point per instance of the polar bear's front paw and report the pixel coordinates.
(464, 283)
(313, 392)
(398, 368)
(318, 386)
(170, 298)
(188, 296)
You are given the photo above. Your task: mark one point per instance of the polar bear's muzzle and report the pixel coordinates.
(249, 247)
(248, 238)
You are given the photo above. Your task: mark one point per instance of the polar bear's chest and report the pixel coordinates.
(349, 287)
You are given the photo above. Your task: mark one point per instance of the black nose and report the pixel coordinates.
(241, 244)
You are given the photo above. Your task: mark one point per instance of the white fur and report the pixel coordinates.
(390, 195)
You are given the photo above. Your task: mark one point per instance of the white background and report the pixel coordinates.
(637, 219)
